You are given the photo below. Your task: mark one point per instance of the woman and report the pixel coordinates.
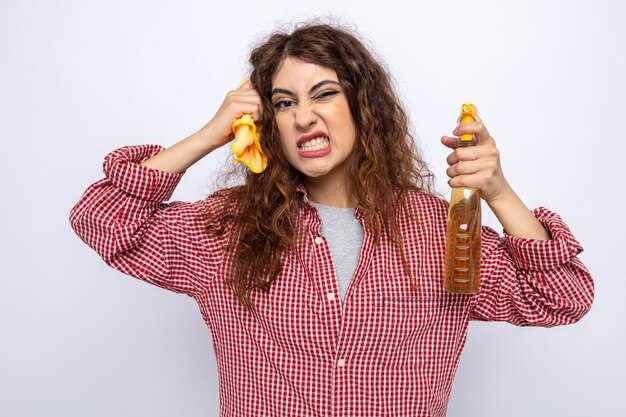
(321, 278)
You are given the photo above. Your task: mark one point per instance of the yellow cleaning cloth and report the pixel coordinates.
(246, 146)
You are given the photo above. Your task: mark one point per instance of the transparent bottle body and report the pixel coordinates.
(462, 258)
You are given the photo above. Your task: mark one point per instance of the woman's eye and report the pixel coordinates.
(279, 105)
(328, 94)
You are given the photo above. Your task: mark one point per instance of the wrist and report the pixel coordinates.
(205, 140)
(504, 197)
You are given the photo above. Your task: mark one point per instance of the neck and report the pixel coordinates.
(330, 190)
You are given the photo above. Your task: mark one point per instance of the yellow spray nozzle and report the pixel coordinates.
(247, 147)
(468, 115)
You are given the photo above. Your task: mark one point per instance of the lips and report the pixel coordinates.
(309, 136)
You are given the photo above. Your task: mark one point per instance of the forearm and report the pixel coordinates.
(516, 218)
(183, 154)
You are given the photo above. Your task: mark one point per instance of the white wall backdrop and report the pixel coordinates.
(81, 78)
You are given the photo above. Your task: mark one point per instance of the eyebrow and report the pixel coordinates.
(315, 87)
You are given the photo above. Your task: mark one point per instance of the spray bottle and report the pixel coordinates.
(462, 259)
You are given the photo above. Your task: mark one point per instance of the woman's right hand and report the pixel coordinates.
(244, 99)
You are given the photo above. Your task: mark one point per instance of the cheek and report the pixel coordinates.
(347, 135)
(282, 140)
(290, 152)
(342, 124)
(287, 151)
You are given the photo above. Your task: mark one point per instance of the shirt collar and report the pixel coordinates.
(301, 189)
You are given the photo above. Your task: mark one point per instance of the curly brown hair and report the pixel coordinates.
(261, 216)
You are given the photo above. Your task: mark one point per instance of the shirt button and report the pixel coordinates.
(319, 240)
(341, 362)
(330, 296)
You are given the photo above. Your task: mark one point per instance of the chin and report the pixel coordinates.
(317, 168)
(311, 168)
(314, 173)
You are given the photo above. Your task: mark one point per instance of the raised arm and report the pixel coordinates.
(125, 219)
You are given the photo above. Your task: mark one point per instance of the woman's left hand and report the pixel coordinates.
(476, 166)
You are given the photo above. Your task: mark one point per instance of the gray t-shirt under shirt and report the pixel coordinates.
(344, 235)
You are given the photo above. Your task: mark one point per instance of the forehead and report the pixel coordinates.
(296, 74)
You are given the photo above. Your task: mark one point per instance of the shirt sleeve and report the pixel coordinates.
(124, 218)
(532, 282)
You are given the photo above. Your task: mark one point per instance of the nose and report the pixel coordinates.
(304, 117)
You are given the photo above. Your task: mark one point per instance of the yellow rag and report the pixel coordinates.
(247, 147)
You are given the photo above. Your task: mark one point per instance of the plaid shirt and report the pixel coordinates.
(386, 352)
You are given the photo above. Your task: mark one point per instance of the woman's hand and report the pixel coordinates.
(476, 166)
(244, 99)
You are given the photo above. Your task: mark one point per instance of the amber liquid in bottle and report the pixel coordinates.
(462, 259)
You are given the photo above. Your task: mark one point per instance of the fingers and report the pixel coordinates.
(450, 141)
(245, 95)
(476, 128)
(466, 161)
(244, 84)
(473, 127)
(464, 168)
(246, 87)
(255, 110)
(463, 154)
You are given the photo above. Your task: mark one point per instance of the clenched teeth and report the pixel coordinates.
(315, 144)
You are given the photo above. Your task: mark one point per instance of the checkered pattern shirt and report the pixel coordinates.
(387, 351)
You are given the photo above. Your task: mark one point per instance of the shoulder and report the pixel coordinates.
(427, 205)
(221, 199)
(213, 208)
(424, 210)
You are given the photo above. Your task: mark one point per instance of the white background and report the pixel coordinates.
(81, 78)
